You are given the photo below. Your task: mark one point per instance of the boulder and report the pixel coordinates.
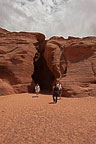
(5, 88)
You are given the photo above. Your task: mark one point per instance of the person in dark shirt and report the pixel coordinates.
(55, 91)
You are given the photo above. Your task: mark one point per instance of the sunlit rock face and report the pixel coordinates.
(73, 62)
(17, 51)
(27, 59)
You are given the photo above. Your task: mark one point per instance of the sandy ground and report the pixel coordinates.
(27, 119)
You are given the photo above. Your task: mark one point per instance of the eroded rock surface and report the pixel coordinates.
(17, 51)
(73, 62)
(26, 58)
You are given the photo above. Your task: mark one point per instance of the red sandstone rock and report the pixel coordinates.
(17, 51)
(73, 61)
(5, 88)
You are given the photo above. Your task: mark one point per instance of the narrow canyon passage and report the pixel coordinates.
(42, 74)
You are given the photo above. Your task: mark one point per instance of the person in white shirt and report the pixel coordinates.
(60, 89)
(37, 89)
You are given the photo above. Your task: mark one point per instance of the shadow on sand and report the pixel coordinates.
(35, 96)
(52, 102)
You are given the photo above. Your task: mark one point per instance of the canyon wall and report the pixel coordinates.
(27, 58)
(73, 62)
(17, 52)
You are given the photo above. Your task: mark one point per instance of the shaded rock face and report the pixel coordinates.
(73, 62)
(42, 74)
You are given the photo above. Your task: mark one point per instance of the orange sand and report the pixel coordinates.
(27, 119)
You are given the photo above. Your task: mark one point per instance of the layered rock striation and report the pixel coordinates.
(17, 51)
(73, 62)
(27, 58)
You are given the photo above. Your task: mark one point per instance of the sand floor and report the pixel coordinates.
(27, 119)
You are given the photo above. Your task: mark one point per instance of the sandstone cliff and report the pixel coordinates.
(27, 58)
(73, 62)
(17, 51)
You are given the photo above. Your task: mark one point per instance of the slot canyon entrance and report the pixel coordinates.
(42, 74)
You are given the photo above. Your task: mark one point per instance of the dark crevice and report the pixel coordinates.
(93, 68)
(93, 82)
(42, 74)
(63, 65)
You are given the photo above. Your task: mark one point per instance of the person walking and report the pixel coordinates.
(60, 89)
(55, 90)
(37, 89)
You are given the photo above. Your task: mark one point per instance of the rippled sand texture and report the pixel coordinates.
(27, 119)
